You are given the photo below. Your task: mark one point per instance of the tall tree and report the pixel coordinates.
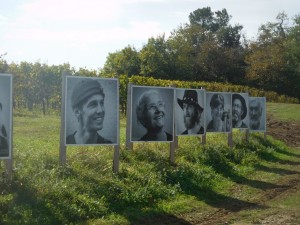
(274, 57)
(155, 58)
(126, 61)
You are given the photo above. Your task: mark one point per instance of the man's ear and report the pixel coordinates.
(77, 112)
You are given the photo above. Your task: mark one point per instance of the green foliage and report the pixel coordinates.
(208, 86)
(274, 58)
(126, 61)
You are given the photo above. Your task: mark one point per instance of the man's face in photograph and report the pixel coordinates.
(237, 110)
(190, 115)
(255, 112)
(217, 112)
(92, 113)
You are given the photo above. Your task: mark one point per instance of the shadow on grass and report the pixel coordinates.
(27, 208)
(269, 155)
(279, 171)
(279, 149)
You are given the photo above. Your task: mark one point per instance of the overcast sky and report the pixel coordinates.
(83, 32)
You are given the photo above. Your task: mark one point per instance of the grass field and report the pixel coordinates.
(147, 190)
(284, 111)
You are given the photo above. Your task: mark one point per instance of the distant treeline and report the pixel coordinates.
(209, 48)
(207, 52)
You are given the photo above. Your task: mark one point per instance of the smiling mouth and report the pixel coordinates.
(159, 117)
(99, 119)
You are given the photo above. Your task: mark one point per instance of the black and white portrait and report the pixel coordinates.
(240, 115)
(189, 111)
(218, 112)
(92, 111)
(5, 115)
(152, 117)
(257, 114)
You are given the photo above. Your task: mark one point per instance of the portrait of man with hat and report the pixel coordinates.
(239, 110)
(192, 111)
(87, 100)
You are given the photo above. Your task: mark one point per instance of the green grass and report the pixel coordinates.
(86, 191)
(284, 111)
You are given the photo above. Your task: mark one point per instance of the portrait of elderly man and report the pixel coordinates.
(220, 118)
(151, 114)
(192, 112)
(3, 137)
(239, 111)
(256, 113)
(87, 103)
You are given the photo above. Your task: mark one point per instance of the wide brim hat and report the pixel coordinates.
(190, 97)
(244, 106)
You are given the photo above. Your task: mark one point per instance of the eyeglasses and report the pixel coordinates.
(154, 107)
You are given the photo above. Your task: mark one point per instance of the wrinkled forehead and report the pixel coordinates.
(153, 98)
(237, 101)
(255, 104)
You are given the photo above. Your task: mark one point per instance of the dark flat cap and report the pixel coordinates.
(84, 89)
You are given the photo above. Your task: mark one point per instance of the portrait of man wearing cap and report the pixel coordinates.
(220, 104)
(239, 110)
(192, 112)
(87, 101)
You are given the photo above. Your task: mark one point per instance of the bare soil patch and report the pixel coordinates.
(286, 131)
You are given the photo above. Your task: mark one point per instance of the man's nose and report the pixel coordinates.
(99, 108)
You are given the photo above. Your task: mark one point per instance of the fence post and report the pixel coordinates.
(204, 139)
(230, 141)
(116, 160)
(247, 135)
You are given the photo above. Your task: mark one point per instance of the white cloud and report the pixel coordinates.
(69, 10)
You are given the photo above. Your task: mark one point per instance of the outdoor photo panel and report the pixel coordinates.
(257, 114)
(218, 112)
(240, 112)
(5, 115)
(152, 117)
(189, 111)
(91, 111)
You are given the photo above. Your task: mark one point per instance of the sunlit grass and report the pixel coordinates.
(284, 111)
(86, 190)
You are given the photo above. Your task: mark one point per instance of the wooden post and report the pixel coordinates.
(230, 141)
(62, 146)
(204, 139)
(247, 135)
(116, 160)
(9, 167)
(129, 144)
(173, 147)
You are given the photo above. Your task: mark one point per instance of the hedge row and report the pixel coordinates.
(208, 86)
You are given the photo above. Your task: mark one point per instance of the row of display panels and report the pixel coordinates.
(157, 113)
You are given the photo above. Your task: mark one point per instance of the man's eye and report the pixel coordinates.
(92, 104)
